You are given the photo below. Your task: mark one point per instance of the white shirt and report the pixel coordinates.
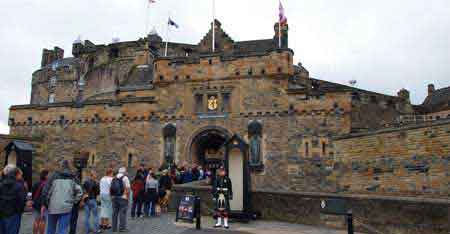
(126, 184)
(105, 185)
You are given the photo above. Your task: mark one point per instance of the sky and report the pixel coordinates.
(385, 45)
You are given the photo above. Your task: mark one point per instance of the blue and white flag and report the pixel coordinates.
(172, 23)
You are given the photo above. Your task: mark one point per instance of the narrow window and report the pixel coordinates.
(210, 61)
(226, 102)
(324, 148)
(198, 103)
(93, 160)
(130, 160)
(307, 149)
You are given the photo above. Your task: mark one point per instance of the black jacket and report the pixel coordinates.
(12, 197)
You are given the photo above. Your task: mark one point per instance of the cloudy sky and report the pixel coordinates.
(385, 45)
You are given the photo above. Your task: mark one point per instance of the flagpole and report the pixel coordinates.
(167, 40)
(167, 34)
(279, 26)
(214, 27)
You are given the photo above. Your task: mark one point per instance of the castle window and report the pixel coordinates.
(114, 53)
(156, 67)
(198, 103)
(226, 102)
(324, 148)
(175, 78)
(161, 77)
(91, 63)
(30, 120)
(438, 117)
(130, 160)
(51, 98)
(279, 69)
(307, 149)
(263, 71)
(210, 61)
(188, 77)
(250, 71)
(92, 160)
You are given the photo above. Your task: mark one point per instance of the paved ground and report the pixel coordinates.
(166, 225)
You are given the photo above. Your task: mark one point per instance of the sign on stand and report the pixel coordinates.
(189, 210)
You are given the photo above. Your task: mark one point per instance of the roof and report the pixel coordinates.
(438, 100)
(21, 145)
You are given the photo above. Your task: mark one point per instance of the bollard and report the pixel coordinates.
(350, 223)
(198, 222)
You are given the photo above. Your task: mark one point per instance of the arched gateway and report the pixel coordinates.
(206, 146)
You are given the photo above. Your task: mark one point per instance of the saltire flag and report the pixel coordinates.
(172, 23)
(283, 18)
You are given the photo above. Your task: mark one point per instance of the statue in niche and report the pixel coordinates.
(255, 149)
(169, 149)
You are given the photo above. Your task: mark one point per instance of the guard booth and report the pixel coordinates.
(237, 167)
(20, 154)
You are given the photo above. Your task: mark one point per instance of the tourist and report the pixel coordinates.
(120, 191)
(60, 194)
(222, 193)
(39, 213)
(195, 173)
(141, 171)
(188, 176)
(165, 185)
(105, 199)
(12, 200)
(151, 195)
(201, 173)
(91, 190)
(138, 188)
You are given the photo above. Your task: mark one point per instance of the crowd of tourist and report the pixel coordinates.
(57, 198)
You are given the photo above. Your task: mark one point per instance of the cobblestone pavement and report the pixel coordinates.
(166, 225)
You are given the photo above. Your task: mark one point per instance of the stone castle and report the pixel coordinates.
(127, 103)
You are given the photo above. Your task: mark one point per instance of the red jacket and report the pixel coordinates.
(137, 187)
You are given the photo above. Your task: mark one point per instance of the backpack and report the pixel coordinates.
(117, 188)
(8, 198)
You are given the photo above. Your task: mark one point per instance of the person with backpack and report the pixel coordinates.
(120, 190)
(12, 200)
(60, 194)
(39, 214)
(91, 191)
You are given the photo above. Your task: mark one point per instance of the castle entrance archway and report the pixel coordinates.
(206, 147)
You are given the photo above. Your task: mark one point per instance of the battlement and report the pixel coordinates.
(219, 66)
(50, 56)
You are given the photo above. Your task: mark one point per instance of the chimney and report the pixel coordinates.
(431, 89)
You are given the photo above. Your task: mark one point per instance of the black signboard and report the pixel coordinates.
(186, 209)
(334, 207)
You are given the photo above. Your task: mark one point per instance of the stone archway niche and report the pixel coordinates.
(207, 144)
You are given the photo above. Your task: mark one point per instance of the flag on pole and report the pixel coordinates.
(283, 18)
(172, 23)
(151, 1)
